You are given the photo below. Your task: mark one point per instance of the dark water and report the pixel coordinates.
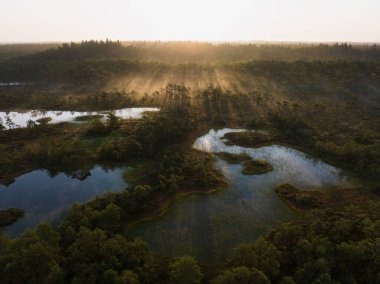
(208, 226)
(45, 198)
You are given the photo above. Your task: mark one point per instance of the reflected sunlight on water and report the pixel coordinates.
(208, 226)
(14, 119)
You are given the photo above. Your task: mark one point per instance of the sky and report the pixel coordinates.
(198, 20)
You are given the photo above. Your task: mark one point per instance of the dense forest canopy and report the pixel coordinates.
(197, 65)
(8, 51)
(190, 52)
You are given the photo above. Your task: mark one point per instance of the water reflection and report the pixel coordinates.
(45, 198)
(14, 119)
(11, 84)
(207, 226)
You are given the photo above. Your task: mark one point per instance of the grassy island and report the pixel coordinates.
(256, 167)
(9, 216)
(298, 199)
(88, 117)
(248, 139)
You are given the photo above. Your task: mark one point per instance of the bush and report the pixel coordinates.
(185, 270)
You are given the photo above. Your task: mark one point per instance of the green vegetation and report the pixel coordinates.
(256, 167)
(333, 244)
(54, 100)
(10, 216)
(241, 274)
(185, 270)
(183, 52)
(88, 117)
(8, 51)
(320, 99)
(44, 120)
(248, 139)
(174, 174)
(297, 199)
(86, 256)
(233, 158)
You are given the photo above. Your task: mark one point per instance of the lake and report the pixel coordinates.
(208, 226)
(14, 119)
(45, 198)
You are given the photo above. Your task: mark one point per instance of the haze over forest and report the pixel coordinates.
(190, 142)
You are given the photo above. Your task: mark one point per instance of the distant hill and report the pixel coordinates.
(8, 51)
(194, 52)
(85, 50)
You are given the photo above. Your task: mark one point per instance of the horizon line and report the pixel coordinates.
(198, 41)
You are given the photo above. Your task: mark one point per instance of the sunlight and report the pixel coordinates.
(190, 20)
(189, 141)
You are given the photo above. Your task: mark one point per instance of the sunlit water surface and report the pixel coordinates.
(208, 226)
(14, 119)
(45, 198)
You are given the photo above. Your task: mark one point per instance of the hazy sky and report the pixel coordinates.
(272, 20)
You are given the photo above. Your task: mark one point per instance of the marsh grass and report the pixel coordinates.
(10, 216)
(88, 117)
(256, 167)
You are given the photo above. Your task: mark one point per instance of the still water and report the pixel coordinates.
(45, 198)
(208, 226)
(14, 119)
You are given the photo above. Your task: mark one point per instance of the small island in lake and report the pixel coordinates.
(88, 117)
(44, 120)
(251, 139)
(298, 199)
(9, 216)
(256, 167)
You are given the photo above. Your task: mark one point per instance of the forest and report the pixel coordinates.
(322, 100)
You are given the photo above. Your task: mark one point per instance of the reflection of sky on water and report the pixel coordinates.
(20, 119)
(207, 226)
(289, 164)
(45, 198)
